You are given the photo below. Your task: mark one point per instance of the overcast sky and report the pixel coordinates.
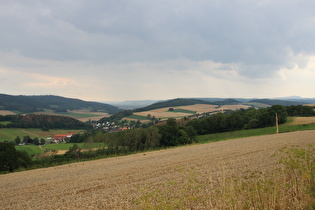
(114, 50)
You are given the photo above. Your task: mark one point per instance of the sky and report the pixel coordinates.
(116, 50)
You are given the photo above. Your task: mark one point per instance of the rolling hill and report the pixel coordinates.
(30, 104)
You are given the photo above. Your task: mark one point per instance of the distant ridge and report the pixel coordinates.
(278, 102)
(30, 104)
(172, 102)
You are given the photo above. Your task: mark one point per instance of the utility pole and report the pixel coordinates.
(277, 124)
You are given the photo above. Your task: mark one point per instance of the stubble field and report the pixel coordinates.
(303, 120)
(198, 108)
(115, 183)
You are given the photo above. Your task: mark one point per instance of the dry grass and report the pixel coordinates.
(6, 112)
(114, 183)
(303, 120)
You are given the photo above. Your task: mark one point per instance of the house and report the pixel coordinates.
(61, 137)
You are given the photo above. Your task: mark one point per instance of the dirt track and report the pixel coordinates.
(114, 182)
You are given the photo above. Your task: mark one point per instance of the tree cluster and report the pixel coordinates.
(300, 110)
(240, 119)
(29, 104)
(29, 140)
(42, 121)
(11, 159)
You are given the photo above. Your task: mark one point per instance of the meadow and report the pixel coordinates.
(83, 115)
(9, 134)
(235, 174)
(59, 149)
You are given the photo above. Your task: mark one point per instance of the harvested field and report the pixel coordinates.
(114, 183)
(6, 112)
(303, 120)
(198, 108)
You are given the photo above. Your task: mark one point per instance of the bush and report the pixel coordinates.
(12, 159)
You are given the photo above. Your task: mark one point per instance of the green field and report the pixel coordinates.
(287, 127)
(63, 146)
(35, 150)
(30, 149)
(183, 111)
(78, 115)
(5, 122)
(9, 134)
(137, 117)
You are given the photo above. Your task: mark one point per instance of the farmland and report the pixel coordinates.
(183, 111)
(10, 134)
(82, 114)
(134, 181)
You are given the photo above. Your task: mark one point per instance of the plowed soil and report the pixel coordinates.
(113, 183)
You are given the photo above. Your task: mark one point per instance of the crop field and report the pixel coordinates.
(82, 115)
(6, 112)
(303, 120)
(183, 111)
(140, 181)
(10, 134)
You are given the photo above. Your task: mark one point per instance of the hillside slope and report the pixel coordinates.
(114, 183)
(29, 104)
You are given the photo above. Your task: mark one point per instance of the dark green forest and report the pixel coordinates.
(41, 121)
(30, 104)
(171, 103)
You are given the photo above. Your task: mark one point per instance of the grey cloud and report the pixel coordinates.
(260, 35)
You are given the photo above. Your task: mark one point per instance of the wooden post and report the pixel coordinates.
(277, 124)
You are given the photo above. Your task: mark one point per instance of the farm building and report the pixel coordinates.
(61, 137)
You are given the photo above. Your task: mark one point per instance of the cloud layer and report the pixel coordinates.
(116, 50)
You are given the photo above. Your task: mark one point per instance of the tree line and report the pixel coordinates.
(29, 104)
(41, 121)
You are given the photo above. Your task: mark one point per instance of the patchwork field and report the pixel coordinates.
(82, 115)
(163, 113)
(117, 183)
(10, 134)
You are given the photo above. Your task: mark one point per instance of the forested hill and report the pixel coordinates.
(277, 102)
(29, 104)
(173, 102)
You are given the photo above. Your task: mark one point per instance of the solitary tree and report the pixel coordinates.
(17, 140)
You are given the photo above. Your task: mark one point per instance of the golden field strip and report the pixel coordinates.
(114, 183)
(198, 108)
(303, 120)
